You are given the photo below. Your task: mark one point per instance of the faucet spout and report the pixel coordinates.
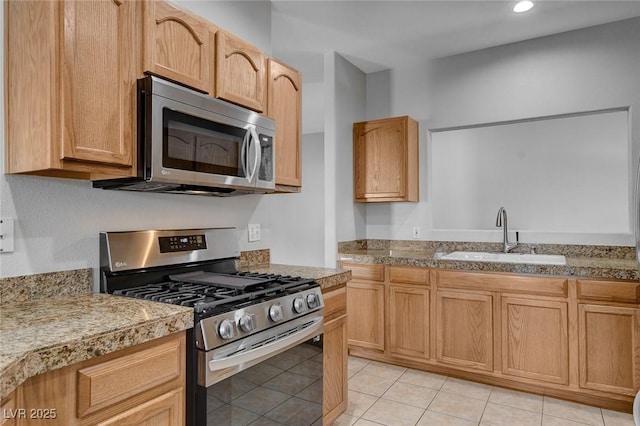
(501, 220)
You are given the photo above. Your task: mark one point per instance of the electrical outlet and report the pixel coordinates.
(416, 232)
(6, 235)
(254, 232)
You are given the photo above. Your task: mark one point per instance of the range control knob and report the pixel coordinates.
(225, 329)
(313, 301)
(299, 305)
(275, 313)
(247, 322)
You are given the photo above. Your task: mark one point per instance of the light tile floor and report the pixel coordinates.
(383, 394)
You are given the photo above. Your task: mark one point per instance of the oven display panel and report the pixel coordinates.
(182, 243)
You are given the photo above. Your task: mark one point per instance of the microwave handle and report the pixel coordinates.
(244, 150)
(258, 157)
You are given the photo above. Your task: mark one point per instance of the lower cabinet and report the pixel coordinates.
(8, 413)
(409, 321)
(365, 305)
(465, 329)
(609, 338)
(334, 389)
(141, 385)
(573, 338)
(535, 340)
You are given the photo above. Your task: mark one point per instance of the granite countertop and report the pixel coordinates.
(52, 320)
(584, 266)
(326, 277)
(43, 334)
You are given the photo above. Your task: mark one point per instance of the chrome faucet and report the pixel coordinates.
(506, 245)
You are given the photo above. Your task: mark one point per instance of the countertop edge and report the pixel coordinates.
(575, 268)
(49, 358)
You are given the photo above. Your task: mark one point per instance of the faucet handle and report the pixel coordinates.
(517, 237)
(532, 249)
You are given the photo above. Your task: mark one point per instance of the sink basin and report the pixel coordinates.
(479, 256)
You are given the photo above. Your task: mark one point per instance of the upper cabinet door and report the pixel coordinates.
(177, 45)
(386, 160)
(240, 72)
(98, 85)
(285, 107)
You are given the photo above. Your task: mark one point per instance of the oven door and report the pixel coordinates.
(278, 383)
(193, 139)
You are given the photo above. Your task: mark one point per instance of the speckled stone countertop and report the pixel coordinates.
(71, 325)
(582, 261)
(326, 277)
(260, 261)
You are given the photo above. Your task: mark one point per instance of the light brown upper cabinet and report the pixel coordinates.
(240, 72)
(285, 107)
(71, 70)
(385, 160)
(177, 45)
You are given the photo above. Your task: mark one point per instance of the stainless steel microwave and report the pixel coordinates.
(193, 143)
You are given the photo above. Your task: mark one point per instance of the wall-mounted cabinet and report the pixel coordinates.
(71, 70)
(71, 80)
(285, 107)
(241, 72)
(385, 160)
(177, 45)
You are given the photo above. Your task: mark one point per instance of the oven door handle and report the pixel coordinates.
(267, 351)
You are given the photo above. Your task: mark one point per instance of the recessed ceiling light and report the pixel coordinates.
(523, 6)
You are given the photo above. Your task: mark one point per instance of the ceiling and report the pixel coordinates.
(379, 35)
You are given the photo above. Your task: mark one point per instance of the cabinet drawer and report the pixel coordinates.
(507, 283)
(118, 379)
(365, 272)
(613, 291)
(335, 303)
(398, 274)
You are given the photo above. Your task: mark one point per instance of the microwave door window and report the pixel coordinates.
(194, 144)
(219, 154)
(181, 145)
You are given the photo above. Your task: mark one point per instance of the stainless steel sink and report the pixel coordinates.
(479, 256)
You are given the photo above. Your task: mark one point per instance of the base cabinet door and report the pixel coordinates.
(409, 321)
(165, 410)
(365, 307)
(609, 350)
(334, 399)
(535, 342)
(465, 329)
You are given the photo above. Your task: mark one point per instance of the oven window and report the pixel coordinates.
(194, 144)
(285, 389)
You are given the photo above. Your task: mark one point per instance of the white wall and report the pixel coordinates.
(297, 220)
(247, 19)
(590, 69)
(345, 102)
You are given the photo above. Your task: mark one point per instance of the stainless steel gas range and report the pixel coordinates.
(254, 355)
